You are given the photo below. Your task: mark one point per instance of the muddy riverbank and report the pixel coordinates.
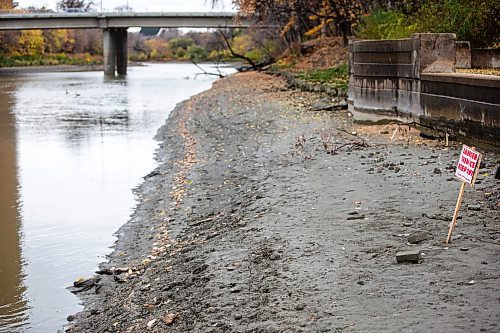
(264, 216)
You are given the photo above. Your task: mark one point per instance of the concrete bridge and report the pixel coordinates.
(115, 25)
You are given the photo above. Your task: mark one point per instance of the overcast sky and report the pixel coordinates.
(144, 5)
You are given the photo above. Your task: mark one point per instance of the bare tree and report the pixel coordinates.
(84, 5)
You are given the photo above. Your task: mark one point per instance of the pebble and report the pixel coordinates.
(474, 207)
(300, 307)
(151, 323)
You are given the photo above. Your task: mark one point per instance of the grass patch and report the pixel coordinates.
(337, 77)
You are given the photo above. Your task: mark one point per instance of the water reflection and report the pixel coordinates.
(72, 147)
(12, 302)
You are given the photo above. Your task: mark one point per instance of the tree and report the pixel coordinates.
(6, 4)
(298, 18)
(75, 4)
(58, 40)
(31, 43)
(472, 20)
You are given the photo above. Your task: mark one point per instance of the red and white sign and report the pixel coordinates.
(468, 164)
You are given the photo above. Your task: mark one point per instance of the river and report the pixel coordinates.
(72, 148)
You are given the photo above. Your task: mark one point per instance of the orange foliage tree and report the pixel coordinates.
(304, 17)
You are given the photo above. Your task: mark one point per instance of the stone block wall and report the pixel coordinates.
(413, 80)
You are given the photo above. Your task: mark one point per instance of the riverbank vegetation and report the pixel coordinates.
(84, 47)
(471, 20)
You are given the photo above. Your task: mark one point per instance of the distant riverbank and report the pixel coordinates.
(85, 68)
(47, 69)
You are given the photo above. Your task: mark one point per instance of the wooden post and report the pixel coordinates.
(455, 214)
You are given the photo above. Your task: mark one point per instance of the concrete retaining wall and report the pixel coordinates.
(414, 80)
(485, 58)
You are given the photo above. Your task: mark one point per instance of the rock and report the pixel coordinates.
(70, 318)
(497, 173)
(465, 249)
(322, 104)
(408, 256)
(417, 236)
(474, 207)
(238, 316)
(169, 318)
(437, 171)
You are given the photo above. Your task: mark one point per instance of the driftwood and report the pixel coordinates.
(113, 270)
(86, 284)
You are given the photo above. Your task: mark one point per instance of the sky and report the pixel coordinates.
(144, 5)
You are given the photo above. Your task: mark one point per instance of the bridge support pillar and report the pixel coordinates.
(115, 51)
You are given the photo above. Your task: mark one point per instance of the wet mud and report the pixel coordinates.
(265, 216)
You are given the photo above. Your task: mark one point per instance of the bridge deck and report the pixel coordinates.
(120, 20)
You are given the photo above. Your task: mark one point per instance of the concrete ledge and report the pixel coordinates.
(465, 79)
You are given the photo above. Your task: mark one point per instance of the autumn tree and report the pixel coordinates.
(31, 42)
(5, 4)
(58, 40)
(297, 18)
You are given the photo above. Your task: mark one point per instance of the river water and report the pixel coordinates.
(72, 148)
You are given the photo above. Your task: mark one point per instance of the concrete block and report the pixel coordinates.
(433, 53)
(417, 236)
(408, 256)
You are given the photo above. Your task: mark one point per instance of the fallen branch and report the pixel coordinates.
(253, 65)
(205, 72)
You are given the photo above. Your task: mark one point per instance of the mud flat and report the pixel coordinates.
(264, 216)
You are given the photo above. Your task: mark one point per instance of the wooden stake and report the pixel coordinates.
(455, 214)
